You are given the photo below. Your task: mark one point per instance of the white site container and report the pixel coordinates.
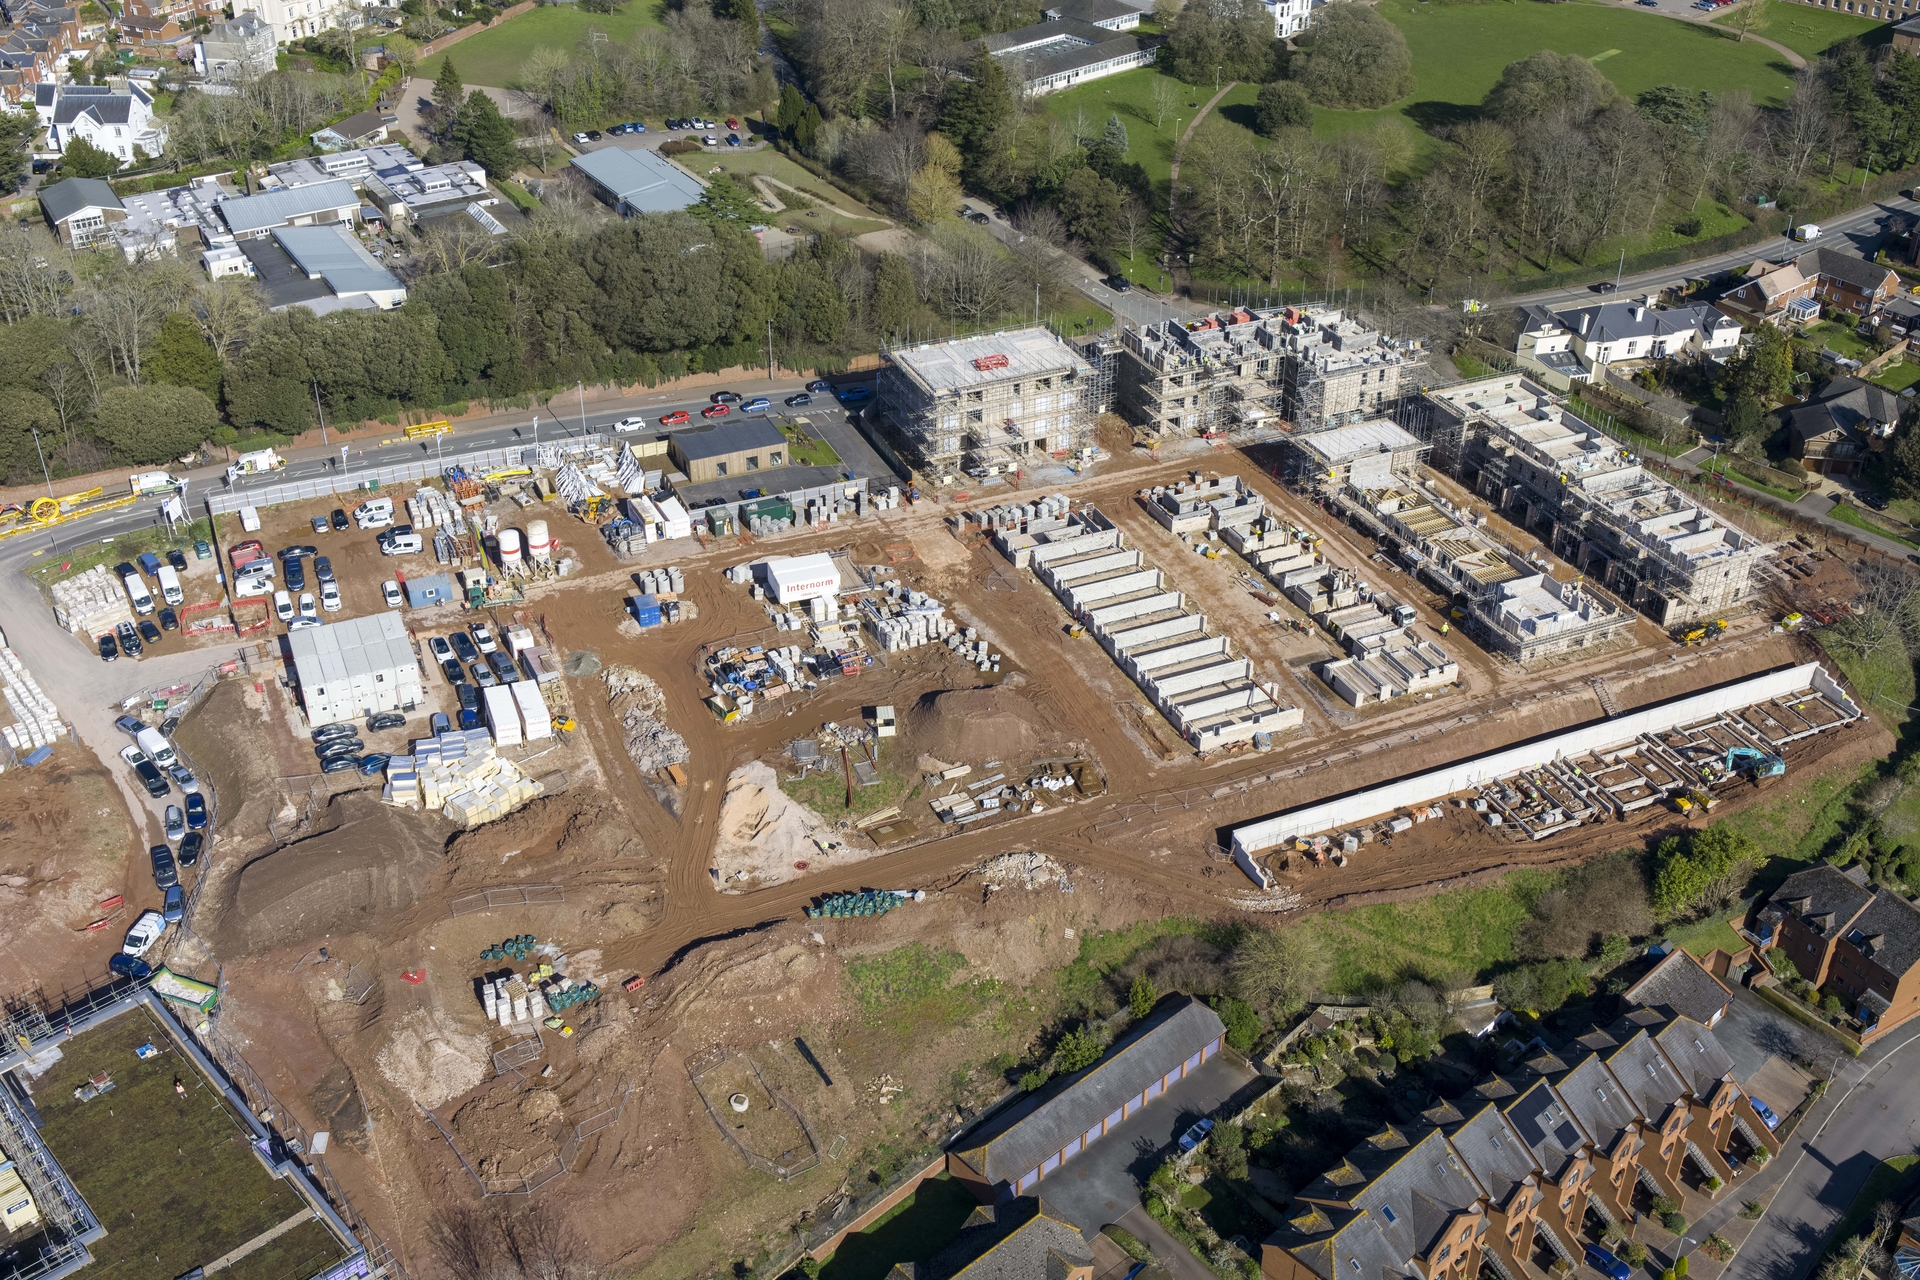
(536, 722)
(503, 715)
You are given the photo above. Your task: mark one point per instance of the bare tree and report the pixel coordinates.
(66, 387)
(1886, 612)
(1806, 128)
(1135, 221)
(123, 304)
(1166, 98)
(34, 274)
(228, 310)
(969, 275)
(1279, 970)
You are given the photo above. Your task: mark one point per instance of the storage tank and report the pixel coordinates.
(510, 550)
(539, 546)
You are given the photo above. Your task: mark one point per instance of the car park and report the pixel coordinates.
(463, 648)
(390, 592)
(1603, 1261)
(121, 965)
(175, 822)
(109, 648)
(196, 812)
(148, 632)
(173, 907)
(165, 873)
(129, 640)
(759, 404)
(191, 846)
(323, 568)
(169, 620)
(178, 561)
(319, 524)
(385, 720)
(626, 425)
(799, 398)
(716, 411)
(338, 519)
(678, 418)
(189, 785)
(145, 931)
(482, 638)
(130, 725)
(339, 764)
(330, 596)
(1196, 1135)
(283, 606)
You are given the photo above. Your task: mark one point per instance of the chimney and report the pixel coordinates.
(1639, 313)
(1586, 318)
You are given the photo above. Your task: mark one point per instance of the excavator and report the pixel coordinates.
(1754, 763)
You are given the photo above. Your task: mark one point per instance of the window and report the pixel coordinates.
(753, 462)
(1387, 1211)
(719, 468)
(1442, 1255)
(773, 457)
(949, 421)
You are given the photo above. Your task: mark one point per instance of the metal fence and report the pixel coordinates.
(715, 1058)
(562, 1161)
(228, 501)
(529, 895)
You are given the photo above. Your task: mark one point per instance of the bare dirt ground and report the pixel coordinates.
(631, 860)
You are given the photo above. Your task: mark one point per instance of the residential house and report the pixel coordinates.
(1792, 292)
(119, 122)
(367, 128)
(1498, 1158)
(36, 39)
(1563, 1160)
(82, 211)
(1612, 1125)
(1018, 1238)
(1013, 1151)
(1832, 432)
(1605, 333)
(294, 19)
(1680, 986)
(140, 19)
(1851, 939)
(1291, 17)
(1049, 56)
(236, 50)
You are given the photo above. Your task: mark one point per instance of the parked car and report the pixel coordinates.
(339, 764)
(469, 697)
(165, 873)
(372, 764)
(339, 747)
(797, 399)
(122, 965)
(283, 606)
(482, 638)
(152, 779)
(716, 411)
(303, 550)
(109, 648)
(733, 122)
(482, 677)
(1873, 500)
(1606, 1264)
(189, 785)
(678, 418)
(148, 632)
(176, 822)
(710, 141)
(130, 725)
(196, 811)
(453, 671)
(296, 575)
(390, 592)
(339, 729)
(319, 524)
(173, 908)
(593, 135)
(330, 596)
(169, 620)
(1194, 1136)
(129, 640)
(626, 425)
(191, 846)
(381, 720)
(1765, 1112)
(178, 560)
(503, 667)
(579, 137)
(438, 723)
(323, 568)
(463, 648)
(338, 519)
(1120, 284)
(759, 404)
(733, 139)
(144, 932)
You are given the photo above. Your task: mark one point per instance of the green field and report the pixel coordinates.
(493, 57)
(1806, 29)
(838, 212)
(1458, 936)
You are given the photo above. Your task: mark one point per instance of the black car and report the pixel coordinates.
(165, 873)
(123, 965)
(339, 764)
(385, 720)
(339, 747)
(168, 725)
(149, 633)
(799, 398)
(593, 135)
(109, 648)
(298, 550)
(178, 560)
(296, 574)
(338, 519)
(341, 730)
(169, 620)
(1605, 286)
(1118, 283)
(129, 640)
(469, 696)
(190, 846)
(153, 780)
(453, 671)
(1874, 500)
(125, 569)
(463, 648)
(502, 664)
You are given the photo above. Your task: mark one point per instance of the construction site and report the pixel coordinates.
(637, 937)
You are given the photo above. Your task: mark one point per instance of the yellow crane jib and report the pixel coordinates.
(429, 429)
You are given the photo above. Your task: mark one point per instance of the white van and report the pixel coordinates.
(250, 519)
(407, 544)
(374, 513)
(154, 745)
(170, 585)
(137, 593)
(247, 586)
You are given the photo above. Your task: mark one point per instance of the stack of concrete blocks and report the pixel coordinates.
(1017, 516)
(1190, 506)
(37, 721)
(429, 508)
(458, 774)
(1205, 692)
(661, 582)
(91, 603)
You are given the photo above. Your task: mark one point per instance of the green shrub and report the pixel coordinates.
(1674, 1222)
(1243, 1024)
(1751, 1209)
(1035, 1078)
(1080, 1049)
(1141, 997)
(1833, 1004)
(1713, 1184)
(1128, 1242)
(1635, 1253)
(1664, 1205)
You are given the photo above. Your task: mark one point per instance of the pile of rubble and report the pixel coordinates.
(1020, 871)
(457, 773)
(637, 700)
(91, 603)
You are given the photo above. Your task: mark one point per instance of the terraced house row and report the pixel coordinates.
(1524, 1167)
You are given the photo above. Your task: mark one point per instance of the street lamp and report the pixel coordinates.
(52, 538)
(581, 387)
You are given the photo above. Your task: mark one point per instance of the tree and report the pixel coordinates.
(1090, 206)
(1115, 134)
(1700, 867)
(182, 357)
(154, 423)
(1220, 40)
(1242, 1023)
(1079, 1049)
(448, 94)
(1166, 99)
(895, 302)
(82, 159)
(1141, 997)
(792, 107)
(485, 136)
(727, 200)
(1135, 220)
(976, 110)
(1545, 84)
(1903, 454)
(16, 132)
(1279, 970)
(1358, 60)
(1763, 370)
(1284, 104)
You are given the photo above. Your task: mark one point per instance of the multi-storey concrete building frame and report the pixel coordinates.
(990, 403)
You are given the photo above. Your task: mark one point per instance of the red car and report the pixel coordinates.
(716, 411)
(244, 547)
(732, 123)
(678, 418)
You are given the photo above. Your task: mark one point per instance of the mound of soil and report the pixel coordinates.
(508, 1130)
(966, 726)
(431, 1061)
(372, 860)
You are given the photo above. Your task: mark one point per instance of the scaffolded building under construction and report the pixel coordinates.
(989, 404)
(1589, 499)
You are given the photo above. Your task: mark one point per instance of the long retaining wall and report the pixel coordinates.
(1436, 784)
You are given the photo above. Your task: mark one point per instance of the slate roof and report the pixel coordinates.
(1697, 1054)
(1649, 1079)
(1615, 321)
(108, 106)
(1391, 1197)
(1010, 1145)
(1096, 11)
(64, 199)
(1548, 1125)
(1845, 405)
(1680, 985)
(1888, 932)
(644, 180)
(723, 439)
(274, 208)
(1019, 1240)
(364, 124)
(1596, 1100)
(1041, 32)
(1322, 1246)
(1824, 899)
(1495, 1153)
(1868, 277)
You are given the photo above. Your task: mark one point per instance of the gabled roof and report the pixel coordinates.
(1649, 1079)
(1866, 276)
(1597, 1101)
(1846, 405)
(1888, 932)
(1680, 985)
(1495, 1153)
(1617, 321)
(64, 199)
(1696, 1054)
(1548, 1125)
(1019, 1240)
(107, 106)
(644, 180)
(1412, 1185)
(355, 127)
(1824, 899)
(1011, 1144)
(275, 208)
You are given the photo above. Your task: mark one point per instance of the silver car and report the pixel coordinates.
(189, 784)
(176, 822)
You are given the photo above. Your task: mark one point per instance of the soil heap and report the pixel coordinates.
(969, 725)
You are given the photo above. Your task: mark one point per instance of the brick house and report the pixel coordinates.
(1839, 281)
(1562, 1154)
(1833, 431)
(1849, 939)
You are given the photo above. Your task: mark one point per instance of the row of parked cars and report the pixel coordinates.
(186, 825)
(132, 638)
(338, 747)
(722, 403)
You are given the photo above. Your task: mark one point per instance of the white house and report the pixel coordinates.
(1577, 344)
(235, 50)
(115, 120)
(1291, 17)
(292, 19)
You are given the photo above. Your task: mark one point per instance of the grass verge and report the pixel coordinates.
(1845, 513)
(1890, 1180)
(79, 557)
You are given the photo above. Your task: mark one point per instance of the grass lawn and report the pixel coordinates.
(1889, 1181)
(912, 1231)
(173, 1179)
(1897, 376)
(305, 1251)
(1704, 935)
(1806, 30)
(493, 57)
(807, 450)
(1840, 339)
(1847, 513)
(826, 793)
(846, 214)
(1462, 934)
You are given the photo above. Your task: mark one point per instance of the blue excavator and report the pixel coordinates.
(1755, 764)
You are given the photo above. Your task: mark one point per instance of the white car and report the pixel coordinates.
(301, 624)
(436, 645)
(626, 425)
(390, 592)
(580, 138)
(482, 638)
(710, 140)
(134, 756)
(283, 606)
(307, 608)
(145, 932)
(330, 596)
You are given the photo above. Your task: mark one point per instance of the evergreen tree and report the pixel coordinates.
(976, 109)
(16, 131)
(447, 95)
(1115, 135)
(792, 107)
(1282, 105)
(727, 201)
(896, 304)
(484, 136)
(82, 159)
(806, 134)
(1903, 455)
(182, 357)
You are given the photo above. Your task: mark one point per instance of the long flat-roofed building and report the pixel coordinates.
(987, 404)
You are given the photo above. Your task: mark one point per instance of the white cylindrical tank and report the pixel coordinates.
(509, 549)
(539, 545)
